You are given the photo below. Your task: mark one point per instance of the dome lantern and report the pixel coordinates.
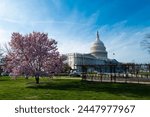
(97, 37)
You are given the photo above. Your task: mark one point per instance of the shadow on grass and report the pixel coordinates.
(120, 89)
(4, 79)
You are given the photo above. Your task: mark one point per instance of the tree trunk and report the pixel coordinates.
(26, 76)
(37, 79)
(37, 76)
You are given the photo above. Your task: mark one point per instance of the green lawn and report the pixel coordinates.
(61, 88)
(144, 73)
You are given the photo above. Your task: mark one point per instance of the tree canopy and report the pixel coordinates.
(32, 53)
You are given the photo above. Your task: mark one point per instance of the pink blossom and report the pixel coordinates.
(32, 53)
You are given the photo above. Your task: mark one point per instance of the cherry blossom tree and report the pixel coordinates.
(33, 54)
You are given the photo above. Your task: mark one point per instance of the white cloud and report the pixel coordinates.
(4, 36)
(125, 42)
(75, 33)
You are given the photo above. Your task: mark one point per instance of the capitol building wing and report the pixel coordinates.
(90, 62)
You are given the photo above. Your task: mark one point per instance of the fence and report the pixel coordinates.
(117, 77)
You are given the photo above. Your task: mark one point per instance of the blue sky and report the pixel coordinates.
(122, 24)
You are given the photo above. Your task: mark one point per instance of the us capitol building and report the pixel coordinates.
(92, 61)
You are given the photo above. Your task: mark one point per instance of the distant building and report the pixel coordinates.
(92, 61)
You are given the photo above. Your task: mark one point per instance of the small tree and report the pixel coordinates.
(66, 67)
(33, 54)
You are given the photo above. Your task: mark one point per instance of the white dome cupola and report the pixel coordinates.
(98, 49)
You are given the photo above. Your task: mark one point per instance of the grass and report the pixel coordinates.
(144, 73)
(62, 88)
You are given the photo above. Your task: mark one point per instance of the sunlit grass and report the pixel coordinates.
(67, 88)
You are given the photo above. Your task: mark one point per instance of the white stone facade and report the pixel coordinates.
(76, 60)
(98, 56)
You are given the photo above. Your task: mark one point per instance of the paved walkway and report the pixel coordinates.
(120, 81)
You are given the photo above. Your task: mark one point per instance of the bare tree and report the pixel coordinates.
(1, 59)
(6, 49)
(146, 43)
(1, 53)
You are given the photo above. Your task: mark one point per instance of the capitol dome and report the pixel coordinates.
(98, 49)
